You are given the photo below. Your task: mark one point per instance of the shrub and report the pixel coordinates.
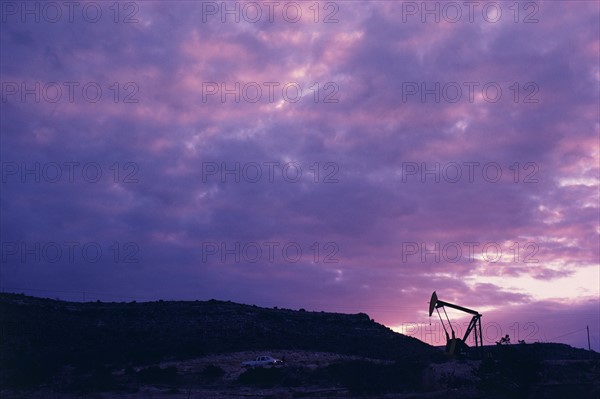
(212, 373)
(364, 377)
(513, 371)
(262, 377)
(96, 379)
(156, 375)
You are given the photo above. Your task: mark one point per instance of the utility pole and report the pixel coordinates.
(588, 331)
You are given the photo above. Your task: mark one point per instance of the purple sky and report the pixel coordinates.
(416, 151)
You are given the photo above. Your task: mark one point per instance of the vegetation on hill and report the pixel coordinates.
(41, 336)
(157, 349)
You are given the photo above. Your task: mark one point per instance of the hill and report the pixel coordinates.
(41, 336)
(193, 349)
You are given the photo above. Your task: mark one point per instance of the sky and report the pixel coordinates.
(340, 156)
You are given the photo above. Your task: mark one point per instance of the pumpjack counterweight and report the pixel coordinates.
(453, 344)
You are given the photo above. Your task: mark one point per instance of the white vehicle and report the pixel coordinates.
(262, 361)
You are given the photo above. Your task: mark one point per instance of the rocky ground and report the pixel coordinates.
(462, 378)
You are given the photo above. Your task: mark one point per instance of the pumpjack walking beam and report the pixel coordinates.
(474, 325)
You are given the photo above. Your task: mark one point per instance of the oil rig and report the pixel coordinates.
(457, 345)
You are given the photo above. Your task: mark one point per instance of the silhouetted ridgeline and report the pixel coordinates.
(56, 349)
(53, 333)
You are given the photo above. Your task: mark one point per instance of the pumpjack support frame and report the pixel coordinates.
(474, 325)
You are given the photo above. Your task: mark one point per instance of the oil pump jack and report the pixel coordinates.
(457, 345)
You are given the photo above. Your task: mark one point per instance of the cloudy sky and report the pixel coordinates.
(341, 156)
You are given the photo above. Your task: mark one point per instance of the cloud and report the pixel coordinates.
(379, 186)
